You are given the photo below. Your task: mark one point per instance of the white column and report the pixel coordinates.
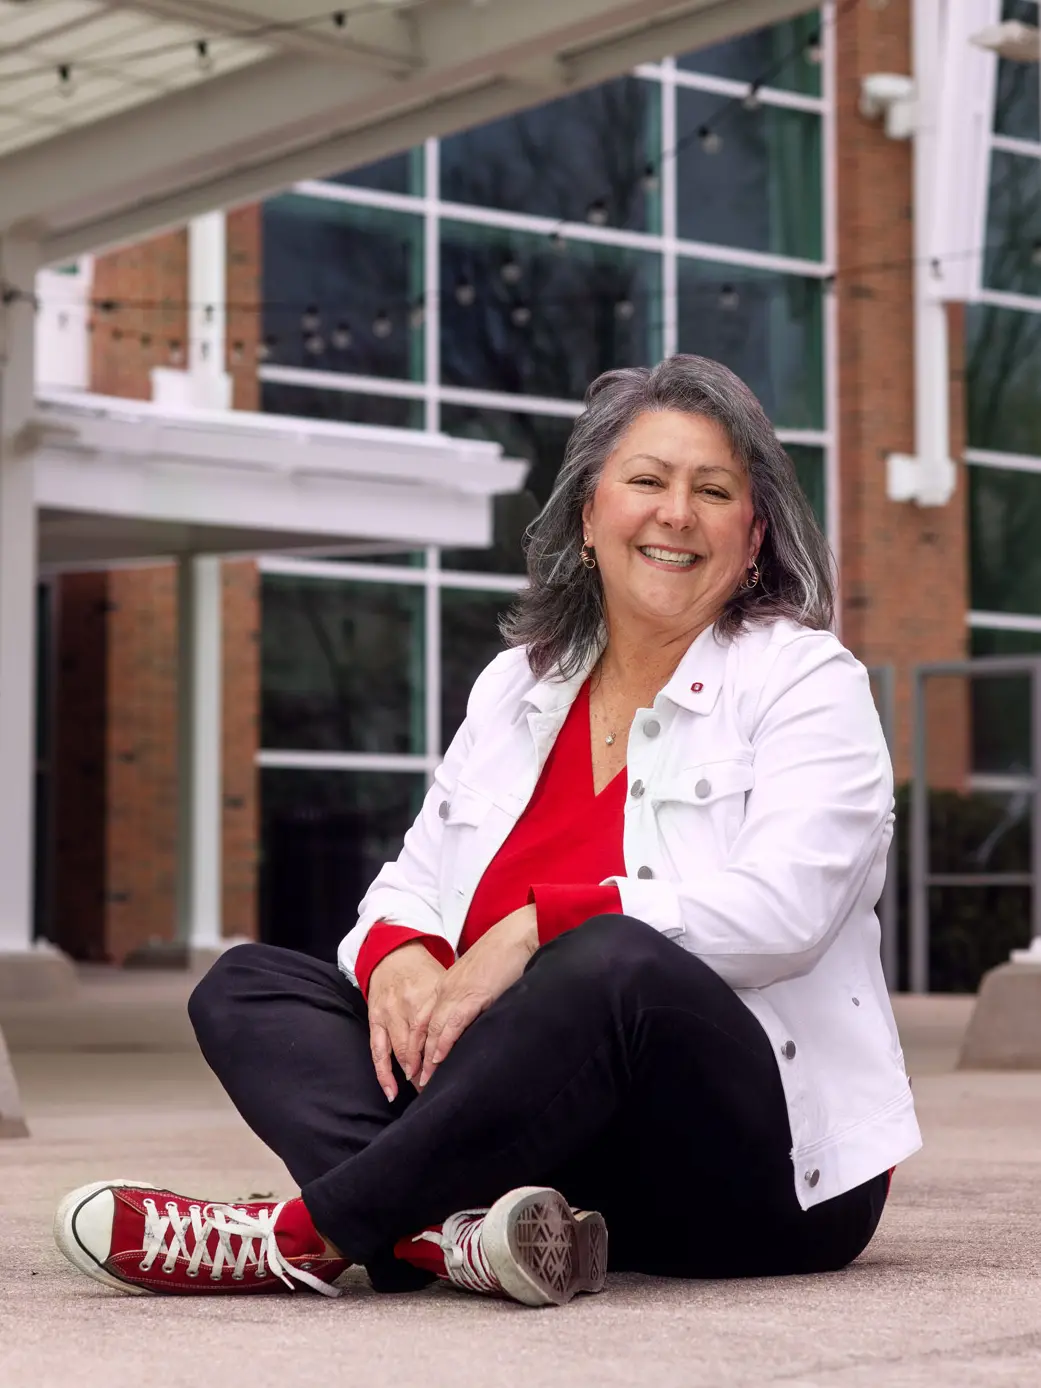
(199, 761)
(205, 384)
(18, 265)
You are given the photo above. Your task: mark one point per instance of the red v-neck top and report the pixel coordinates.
(563, 845)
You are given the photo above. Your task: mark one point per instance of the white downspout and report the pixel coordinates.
(927, 478)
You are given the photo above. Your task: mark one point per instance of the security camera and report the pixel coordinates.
(891, 95)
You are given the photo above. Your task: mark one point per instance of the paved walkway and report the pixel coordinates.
(947, 1296)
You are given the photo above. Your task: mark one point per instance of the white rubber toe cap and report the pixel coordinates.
(91, 1224)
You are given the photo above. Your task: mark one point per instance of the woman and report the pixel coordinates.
(627, 960)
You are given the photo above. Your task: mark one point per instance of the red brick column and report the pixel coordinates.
(904, 567)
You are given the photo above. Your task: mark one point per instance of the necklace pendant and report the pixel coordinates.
(609, 739)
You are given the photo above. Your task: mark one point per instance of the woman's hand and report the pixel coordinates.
(474, 982)
(402, 990)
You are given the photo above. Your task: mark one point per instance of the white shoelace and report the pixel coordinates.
(167, 1234)
(465, 1263)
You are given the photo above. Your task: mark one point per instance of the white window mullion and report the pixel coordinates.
(669, 268)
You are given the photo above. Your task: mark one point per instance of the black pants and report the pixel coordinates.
(619, 1069)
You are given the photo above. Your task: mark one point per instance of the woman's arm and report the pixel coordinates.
(816, 825)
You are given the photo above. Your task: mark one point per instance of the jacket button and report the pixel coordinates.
(636, 789)
(652, 727)
(812, 1177)
(788, 1050)
(442, 809)
(856, 1002)
(644, 872)
(703, 789)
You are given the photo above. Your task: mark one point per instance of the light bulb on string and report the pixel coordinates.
(310, 319)
(510, 270)
(265, 348)
(729, 298)
(814, 49)
(203, 56)
(66, 80)
(751, 99)
(558, 241)
(146, 341)
(341, 336)
(340, 19)
(710, 140)
(175, 349)
(314, 344)
(596, 213)
(382, 327)
(238, 352)
(417, 315)
(1035, 254)
(520, 315)
(649, 179)
(465, 293)
(624, 310)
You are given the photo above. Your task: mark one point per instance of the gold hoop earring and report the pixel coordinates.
(753, 576)
(587, 557)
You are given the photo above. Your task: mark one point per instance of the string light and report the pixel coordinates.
(751, 100)
(417, 315)
(265, 349)
(175, 349)
(341, 336)
(203, 56)
(238, 352)
(465, 293)
(314, 344)
(340, 19)
(511, 271)
(624, 310)
(710, 140)
(382, 327)
(814, 49)
(1035, 254)
(310, 319)
(520, 315)
(729, 298)
(66, 81)
(596, 213)
(650, 180)
(557, 241)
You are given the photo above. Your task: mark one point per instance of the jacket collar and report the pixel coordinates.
(694, 685)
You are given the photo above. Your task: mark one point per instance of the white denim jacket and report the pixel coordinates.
(759, 814)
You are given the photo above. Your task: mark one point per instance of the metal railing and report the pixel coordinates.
(921, 877)
(883, 681)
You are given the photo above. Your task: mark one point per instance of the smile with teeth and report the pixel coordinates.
(669, 556)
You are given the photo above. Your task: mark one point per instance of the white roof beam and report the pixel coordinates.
(258, 130)
(334, 47)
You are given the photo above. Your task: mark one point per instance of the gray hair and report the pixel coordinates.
(559, 617)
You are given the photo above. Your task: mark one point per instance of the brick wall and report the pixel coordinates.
(904, 568)
(117, 641)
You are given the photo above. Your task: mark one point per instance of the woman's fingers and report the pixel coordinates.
(379, 1045)
(417, 1035)
(446, 1027)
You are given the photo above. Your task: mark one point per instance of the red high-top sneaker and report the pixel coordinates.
(530, 1246)
(140, 1239)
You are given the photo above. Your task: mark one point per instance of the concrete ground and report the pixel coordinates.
(948, 1294)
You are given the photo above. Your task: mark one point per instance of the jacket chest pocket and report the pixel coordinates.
(699, 811)
(464, 815)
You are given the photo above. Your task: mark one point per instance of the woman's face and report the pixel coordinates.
(672, 523)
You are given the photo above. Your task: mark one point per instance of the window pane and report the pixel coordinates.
(1013, 224)
(361, 268)
(762, 190)
(809, 468)
(559, 158)
(540, 439)
(767, 328)
(342, 666)
(401, 173)
(1001, 707)
(775, 57)
(1004, 524)
(1016, 102)
(558, 319)
(346, 407)
(1003, 366)
(469, 640)
(325, 836)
